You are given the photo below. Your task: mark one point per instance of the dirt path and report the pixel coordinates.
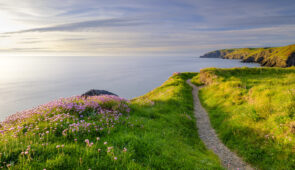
(228, 159)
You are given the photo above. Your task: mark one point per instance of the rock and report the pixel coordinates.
(260, 59)
(249, 59)
(94, 92)
(213, 54)
(291, 60)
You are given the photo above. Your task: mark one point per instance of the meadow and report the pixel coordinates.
(253, 112)
(154, 131)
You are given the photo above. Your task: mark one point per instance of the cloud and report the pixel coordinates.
(23, 49)
(85, 25)
(132, 26)
(236, 14)
(30, 42)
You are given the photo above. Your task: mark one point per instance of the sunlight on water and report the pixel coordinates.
(26, 82)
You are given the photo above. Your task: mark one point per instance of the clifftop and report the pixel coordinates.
(268, 56)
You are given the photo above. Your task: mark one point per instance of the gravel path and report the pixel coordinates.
(229, 159)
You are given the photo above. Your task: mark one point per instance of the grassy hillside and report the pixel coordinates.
(275, 56)
(253, 111)
(154, 131)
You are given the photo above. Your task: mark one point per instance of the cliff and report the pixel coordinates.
(268, 56)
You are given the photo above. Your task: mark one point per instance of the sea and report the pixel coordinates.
(26, 82)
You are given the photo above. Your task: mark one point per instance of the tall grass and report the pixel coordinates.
(252, 109)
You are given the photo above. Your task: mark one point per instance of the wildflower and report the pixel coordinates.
(90, 144)
(57, 146)
(62, 146)
(98, 150)
(97, 138)
(115, 158)
(86, 141)
(125, 150)
(47, 132)
(105, 143)
(75, 140)
(26, 152)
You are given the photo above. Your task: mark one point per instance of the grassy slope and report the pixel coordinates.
(275, 56)
(160, 133)
(253, 111)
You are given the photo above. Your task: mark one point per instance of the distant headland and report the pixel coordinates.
(267, 56)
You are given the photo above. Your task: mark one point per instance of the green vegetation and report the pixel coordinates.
(253, 112)
(270, 56)
(196, 80)
(100, 133)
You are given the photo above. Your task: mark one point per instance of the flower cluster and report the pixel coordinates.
(74, 108)
(75, 118)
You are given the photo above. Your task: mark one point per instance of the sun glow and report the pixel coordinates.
(8, 23)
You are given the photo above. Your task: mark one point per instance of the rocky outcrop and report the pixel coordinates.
(272, 57)
(249, 59)
(213, 54)
(94, 92)
(291, 60)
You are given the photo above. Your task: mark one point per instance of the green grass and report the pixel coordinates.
(196, 80)
(158, 133)
(253, 112)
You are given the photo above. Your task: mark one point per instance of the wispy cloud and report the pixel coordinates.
(132, 27)
(85, 25)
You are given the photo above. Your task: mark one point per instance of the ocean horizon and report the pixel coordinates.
(26, 82)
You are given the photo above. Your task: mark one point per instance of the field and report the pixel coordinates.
(154, 131)
(253, 112)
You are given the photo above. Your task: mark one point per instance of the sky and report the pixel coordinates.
(142, 27)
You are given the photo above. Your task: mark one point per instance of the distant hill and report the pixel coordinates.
(268, 56)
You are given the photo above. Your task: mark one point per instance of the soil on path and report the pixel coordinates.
(228, 159)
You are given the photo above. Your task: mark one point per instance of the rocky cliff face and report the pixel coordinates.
(291, 60)
(273, 57)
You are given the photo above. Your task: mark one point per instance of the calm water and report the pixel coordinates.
(26, 82)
